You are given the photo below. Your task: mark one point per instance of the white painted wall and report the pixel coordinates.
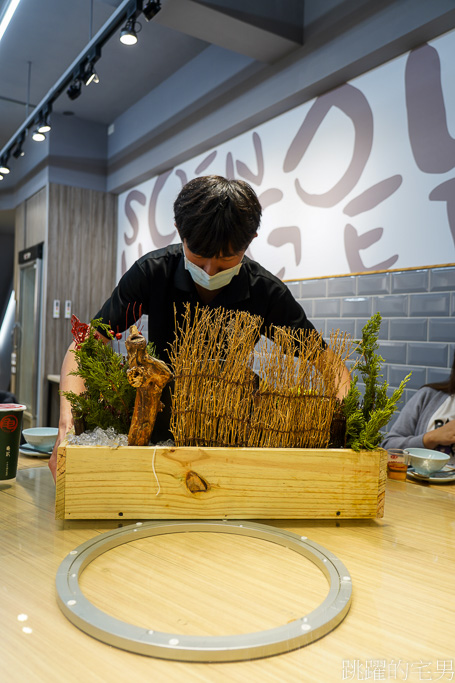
(358, 179)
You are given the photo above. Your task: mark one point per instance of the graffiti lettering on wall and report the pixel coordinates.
(359, 179)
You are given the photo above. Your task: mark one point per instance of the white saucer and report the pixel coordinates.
(25, 449)
(444, 476)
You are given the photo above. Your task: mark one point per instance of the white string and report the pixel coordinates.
(154, 472)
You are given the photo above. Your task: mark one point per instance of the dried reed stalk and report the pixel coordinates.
(298, 391)
(211, 359)
(217, 399)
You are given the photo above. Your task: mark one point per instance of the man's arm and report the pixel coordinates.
(330, 358)
(68, 382)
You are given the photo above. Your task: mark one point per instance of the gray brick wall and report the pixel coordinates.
(417, 308)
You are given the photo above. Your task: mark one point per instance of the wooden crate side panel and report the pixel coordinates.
(211, 483)
(382, 478)
(60, 484)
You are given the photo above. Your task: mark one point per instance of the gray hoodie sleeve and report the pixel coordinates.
(412, 422)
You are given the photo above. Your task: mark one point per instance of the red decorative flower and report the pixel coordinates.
(80, 331)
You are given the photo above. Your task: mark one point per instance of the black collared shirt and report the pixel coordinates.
(159, 280)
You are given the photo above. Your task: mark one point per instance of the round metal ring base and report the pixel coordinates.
(83, 614)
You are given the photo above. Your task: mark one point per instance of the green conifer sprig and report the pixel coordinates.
(108, 399)
(365, 418)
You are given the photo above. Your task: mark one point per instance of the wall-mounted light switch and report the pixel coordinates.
(56, 309)
(67, 308)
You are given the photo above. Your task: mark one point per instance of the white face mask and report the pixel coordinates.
(211, 282)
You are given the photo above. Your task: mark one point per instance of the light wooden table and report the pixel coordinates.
(401, 620)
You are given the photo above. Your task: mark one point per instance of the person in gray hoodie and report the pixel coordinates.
(428, 419)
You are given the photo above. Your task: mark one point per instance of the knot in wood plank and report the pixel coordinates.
(195, 483)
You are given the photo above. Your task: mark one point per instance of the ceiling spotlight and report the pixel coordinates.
(42, 119)
(90, 74)
(4, 168)
(151, 8)
(44, 126)
(74, 89)
(1, 177)
(128, 34)
(37, 136)
(18, 151)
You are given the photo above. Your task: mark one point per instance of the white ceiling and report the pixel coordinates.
(45, 37)
(50, 34)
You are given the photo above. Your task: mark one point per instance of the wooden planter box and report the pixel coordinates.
(218, 483)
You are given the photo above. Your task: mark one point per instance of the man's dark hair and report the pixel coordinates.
(217, 216)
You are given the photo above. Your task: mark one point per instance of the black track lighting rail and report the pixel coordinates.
(128, 10)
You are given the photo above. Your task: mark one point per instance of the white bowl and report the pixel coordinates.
(41, 438)
(424, 461)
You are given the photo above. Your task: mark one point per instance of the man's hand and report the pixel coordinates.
(68, 382)
(52, 464)
(330, 358)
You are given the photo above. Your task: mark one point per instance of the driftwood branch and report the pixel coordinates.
(149, 376)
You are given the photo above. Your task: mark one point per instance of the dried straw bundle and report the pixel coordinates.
(296, 399)
(211, 359)
(219, 401)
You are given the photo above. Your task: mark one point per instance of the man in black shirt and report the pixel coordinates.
(216, 219)
(159, 281)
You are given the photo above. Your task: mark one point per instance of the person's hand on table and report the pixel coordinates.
(442, 436)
